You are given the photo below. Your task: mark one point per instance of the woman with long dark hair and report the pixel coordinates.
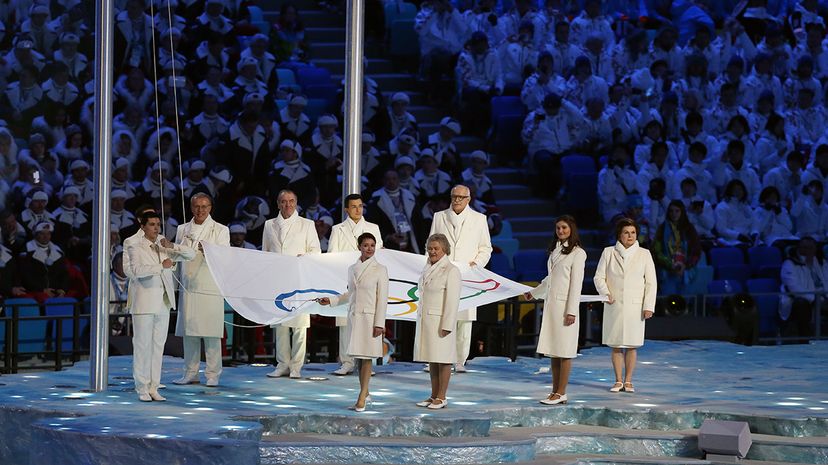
(561, 292)
(676, 250)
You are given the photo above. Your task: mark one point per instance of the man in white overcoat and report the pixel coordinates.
(344, 239)
(200, 304)
(468, 234)
(151, 294)
(290, 234)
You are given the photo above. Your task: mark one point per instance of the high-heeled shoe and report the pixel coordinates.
(364, 406)
(425, 403)
(438, 404)
(628, 387)
(617, 387)
(554, 399)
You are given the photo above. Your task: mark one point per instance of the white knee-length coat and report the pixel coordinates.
(367, 299)
(561, 292)
(300, 238)
(629, 276)
(200, 304)
(439, 302)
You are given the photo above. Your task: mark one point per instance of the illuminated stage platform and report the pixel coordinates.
(493, 414)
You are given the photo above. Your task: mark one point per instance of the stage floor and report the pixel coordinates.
(493, 414)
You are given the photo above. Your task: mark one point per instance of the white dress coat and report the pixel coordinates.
(367, 299)
(631, 282)
(300, 238)
(200, 304)
(469, 240)
(344, 239)
(148, 279)
(561, 294)
(439, 286)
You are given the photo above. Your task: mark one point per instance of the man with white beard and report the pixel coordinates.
(200, 304)
(344, 239)
(290, 234)
(468, 234)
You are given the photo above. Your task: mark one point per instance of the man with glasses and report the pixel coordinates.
(468, 235)
(344, 239)
(200, 304)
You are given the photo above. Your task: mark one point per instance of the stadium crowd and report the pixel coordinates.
(707, 121)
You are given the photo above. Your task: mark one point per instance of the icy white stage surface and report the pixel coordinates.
(493, 414)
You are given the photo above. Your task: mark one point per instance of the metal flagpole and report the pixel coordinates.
(99, 344)
(354, 51)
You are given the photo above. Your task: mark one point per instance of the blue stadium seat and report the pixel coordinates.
(530, 265)
(577, 164)
(403, 41)
(500, 264)
(312, 76)
(726, 256)
(62, 306)
(763, 256)
(507, 105)
(739, 273)
(286, 77)
(582, 193)
(322, 91)
(398, 10)
(316, 107)
(507, 142)
(767, 305)
(31, 334)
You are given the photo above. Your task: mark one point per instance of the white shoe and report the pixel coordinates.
(295, 374)
(344, 370)
(458, 368)
(162, 386)
(157, 397)
(438, 404)
(278, 373)
(425, 403)
(212, 382)
(144, 398)
(186, 380)
(426, 368)
(617, 387)
(554, 399)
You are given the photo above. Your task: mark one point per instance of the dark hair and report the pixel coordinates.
(770, 190)
(694, 117)
(350, 197)
(728, 192)
(736, 144)
(690, 181)
(683, 224)
(148, 215)
(698, 147)
(741, 120)
(365, 236)
(623, 223)
(574, 238)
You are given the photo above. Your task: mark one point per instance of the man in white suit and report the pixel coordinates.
(200, 306)
(468, 234)
(344, 239)
(290, 234)
(151, 294)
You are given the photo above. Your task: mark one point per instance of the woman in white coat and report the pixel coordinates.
(561, 292)
(367, 299)
(626, 275)
(435, 340)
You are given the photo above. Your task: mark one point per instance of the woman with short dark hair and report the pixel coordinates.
(626, 276)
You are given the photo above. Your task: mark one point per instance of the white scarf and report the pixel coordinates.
(358, 268)
(46, 254)
(356, 228)
(5, 256)
(626, 252)
(71, 216)
(558, 251)
(429, 270)
(285, 224)
(456, 220)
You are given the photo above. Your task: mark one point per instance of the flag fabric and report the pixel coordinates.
(270, 288)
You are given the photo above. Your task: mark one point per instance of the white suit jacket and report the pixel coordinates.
(201, 306)
(344, 235)
(148, 279)
(471, 243)
(301, 239)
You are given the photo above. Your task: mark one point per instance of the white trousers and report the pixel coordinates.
(149, 333)
(192, 356)
(290, 349)
(464, 332)
(344, 337)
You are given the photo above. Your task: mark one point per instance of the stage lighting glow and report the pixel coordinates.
(274, 398)
(167, 417)
(332, 395)
(156, 436)
(645, 363)
(818, 409)
(462, 402)
(519, 398)
(203, 409)
(789, 404)
(795, 398)
(286, 406)
(646, 405)
(259, 364)
(382, 394)
(317, 378)
(31, 376)
(233, 427)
